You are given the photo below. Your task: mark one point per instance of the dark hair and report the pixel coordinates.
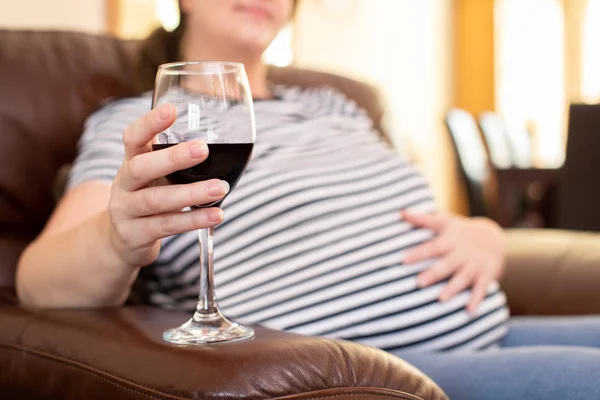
(163, 47)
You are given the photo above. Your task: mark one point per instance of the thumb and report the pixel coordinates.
(435, 221)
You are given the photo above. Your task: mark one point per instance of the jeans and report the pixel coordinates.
(540, 358)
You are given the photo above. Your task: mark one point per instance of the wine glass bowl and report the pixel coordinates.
(214, 104)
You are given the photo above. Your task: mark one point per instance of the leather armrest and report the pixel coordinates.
(551, 272)
(118, 354)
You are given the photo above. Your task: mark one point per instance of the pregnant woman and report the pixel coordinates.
(329, 232)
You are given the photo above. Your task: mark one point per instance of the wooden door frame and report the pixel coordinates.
(113, 16)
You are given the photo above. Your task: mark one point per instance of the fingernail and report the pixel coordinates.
(165, 111)
(198, 149)
(421, 282)
(218, 189)
(215, 215)
(226, 186)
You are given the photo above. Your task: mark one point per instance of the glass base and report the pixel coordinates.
(202, 329)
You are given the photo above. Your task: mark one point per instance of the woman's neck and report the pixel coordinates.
(255, 68)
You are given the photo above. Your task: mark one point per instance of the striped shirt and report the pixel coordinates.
(312, 240)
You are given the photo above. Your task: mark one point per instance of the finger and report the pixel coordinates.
(478, 293)
(441, 270)
(158, 227)
(144, 168)
(432, 248)
(435, 221)
(459, 282)
(137, 136)
(162, 199)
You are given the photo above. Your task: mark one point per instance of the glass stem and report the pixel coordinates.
(207, 303)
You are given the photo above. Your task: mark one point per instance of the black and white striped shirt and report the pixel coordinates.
(312, 240)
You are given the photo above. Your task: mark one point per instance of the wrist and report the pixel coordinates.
(113, 283)
(132, 258)
(117, 254)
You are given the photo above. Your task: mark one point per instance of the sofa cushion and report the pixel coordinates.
(51, 81)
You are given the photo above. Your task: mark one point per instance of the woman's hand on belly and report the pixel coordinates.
(470, 250)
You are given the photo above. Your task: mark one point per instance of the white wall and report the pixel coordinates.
(405, 48)
(81, 15)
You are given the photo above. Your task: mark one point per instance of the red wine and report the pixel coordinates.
(226, 161)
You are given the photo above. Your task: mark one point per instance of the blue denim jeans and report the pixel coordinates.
(540, 358)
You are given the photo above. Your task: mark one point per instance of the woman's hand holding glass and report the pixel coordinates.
(143, 207)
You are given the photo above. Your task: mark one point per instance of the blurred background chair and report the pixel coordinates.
(577, 205)
(514, 144)
(520, 145)
(494, 132)
(521, 188)
(473, 162)
(499, 180)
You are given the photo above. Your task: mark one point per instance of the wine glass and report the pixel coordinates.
(214, 104)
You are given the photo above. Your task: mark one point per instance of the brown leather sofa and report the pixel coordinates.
(49, 83)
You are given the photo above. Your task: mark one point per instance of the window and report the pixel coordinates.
(530, 71)
(167, 13)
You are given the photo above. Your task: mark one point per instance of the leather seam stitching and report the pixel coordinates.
(369, 393)
(80, 363)
(103, 375)
(97, 373)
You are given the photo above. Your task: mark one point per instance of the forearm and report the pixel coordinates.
(75, 268)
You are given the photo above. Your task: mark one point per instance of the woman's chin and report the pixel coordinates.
(250, 50)
(254, 40)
